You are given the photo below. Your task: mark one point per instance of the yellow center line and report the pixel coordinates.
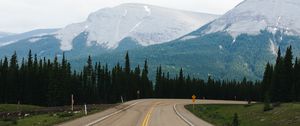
(147, 117)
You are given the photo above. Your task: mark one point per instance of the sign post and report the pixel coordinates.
(194, 99)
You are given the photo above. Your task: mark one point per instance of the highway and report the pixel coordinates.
(148, 112)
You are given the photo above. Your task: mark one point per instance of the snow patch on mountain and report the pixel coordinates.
(147, 9)
(273, 47)
(252, 16)
(7, 43)
(33, 40)
(189, 37)
(220, 47)
(145, 23)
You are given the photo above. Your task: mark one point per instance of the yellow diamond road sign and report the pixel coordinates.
(194, 98)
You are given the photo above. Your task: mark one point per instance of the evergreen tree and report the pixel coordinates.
(4, 81)
(147, 88)
(287, 76)
(278, 79)
(13, 83)
(267, 80)
(296, 86)
(158, 85)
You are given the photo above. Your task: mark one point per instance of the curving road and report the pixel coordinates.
(148, 112)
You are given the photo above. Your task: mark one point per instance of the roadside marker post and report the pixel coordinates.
(122, 99)
(138, 94)
(85, 109)
(72, 102)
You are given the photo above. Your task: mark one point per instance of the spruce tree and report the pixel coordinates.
(158, 84)
(297, 79)
(12, 85)
(267, 81)
(4, 90)
(277, 79)
(287, 76)
(147, 85)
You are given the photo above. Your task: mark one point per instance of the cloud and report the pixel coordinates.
(24, 15)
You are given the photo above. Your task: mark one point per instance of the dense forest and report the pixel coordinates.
(281, 82)
(185, 87)
(51, 83)
(46, 82)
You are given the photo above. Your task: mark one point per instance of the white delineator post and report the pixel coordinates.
(85, 109)
(72, 102)
(122, 99)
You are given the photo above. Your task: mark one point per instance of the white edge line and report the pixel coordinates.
(112, 114)
(184, 119)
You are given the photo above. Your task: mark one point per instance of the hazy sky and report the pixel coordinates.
(24, 15)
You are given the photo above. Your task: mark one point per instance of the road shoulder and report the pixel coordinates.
(93, 117)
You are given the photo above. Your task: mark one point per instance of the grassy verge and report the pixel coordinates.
(13, 107)
(41, 118)
(287, 114)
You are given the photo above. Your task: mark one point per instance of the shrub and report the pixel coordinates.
(235, 121)
(267, 107)
(65, 114)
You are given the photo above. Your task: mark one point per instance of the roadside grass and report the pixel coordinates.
(42, 119)
(15, 107)
(287, 114)
(39, 120)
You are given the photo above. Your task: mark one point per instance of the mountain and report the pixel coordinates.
(13, 38)
(3, 34)
(252, 16)
(236, 45)
(146, 24)
(123, 27)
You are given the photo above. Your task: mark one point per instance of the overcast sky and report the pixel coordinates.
(24, 15)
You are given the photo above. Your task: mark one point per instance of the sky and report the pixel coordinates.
(24, 15)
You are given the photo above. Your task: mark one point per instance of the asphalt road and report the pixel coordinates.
(148, 112)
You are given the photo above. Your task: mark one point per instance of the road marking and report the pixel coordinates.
(184, 119)
(148, 115)
(112, 114)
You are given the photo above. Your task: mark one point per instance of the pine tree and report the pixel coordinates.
(4, 90)
(288, 76)
(296, 84)
(277, 79)
(127, 64)
(12, 84)
(267, 81)
(1, 82)
(180, 84)
(158, 85)
(147, 88)
(137, 74)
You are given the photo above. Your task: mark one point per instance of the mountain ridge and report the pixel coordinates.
(135, 21)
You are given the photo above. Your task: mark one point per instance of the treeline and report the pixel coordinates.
(185, 87)
(281, 82)
(51, 82)
(46, 82)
